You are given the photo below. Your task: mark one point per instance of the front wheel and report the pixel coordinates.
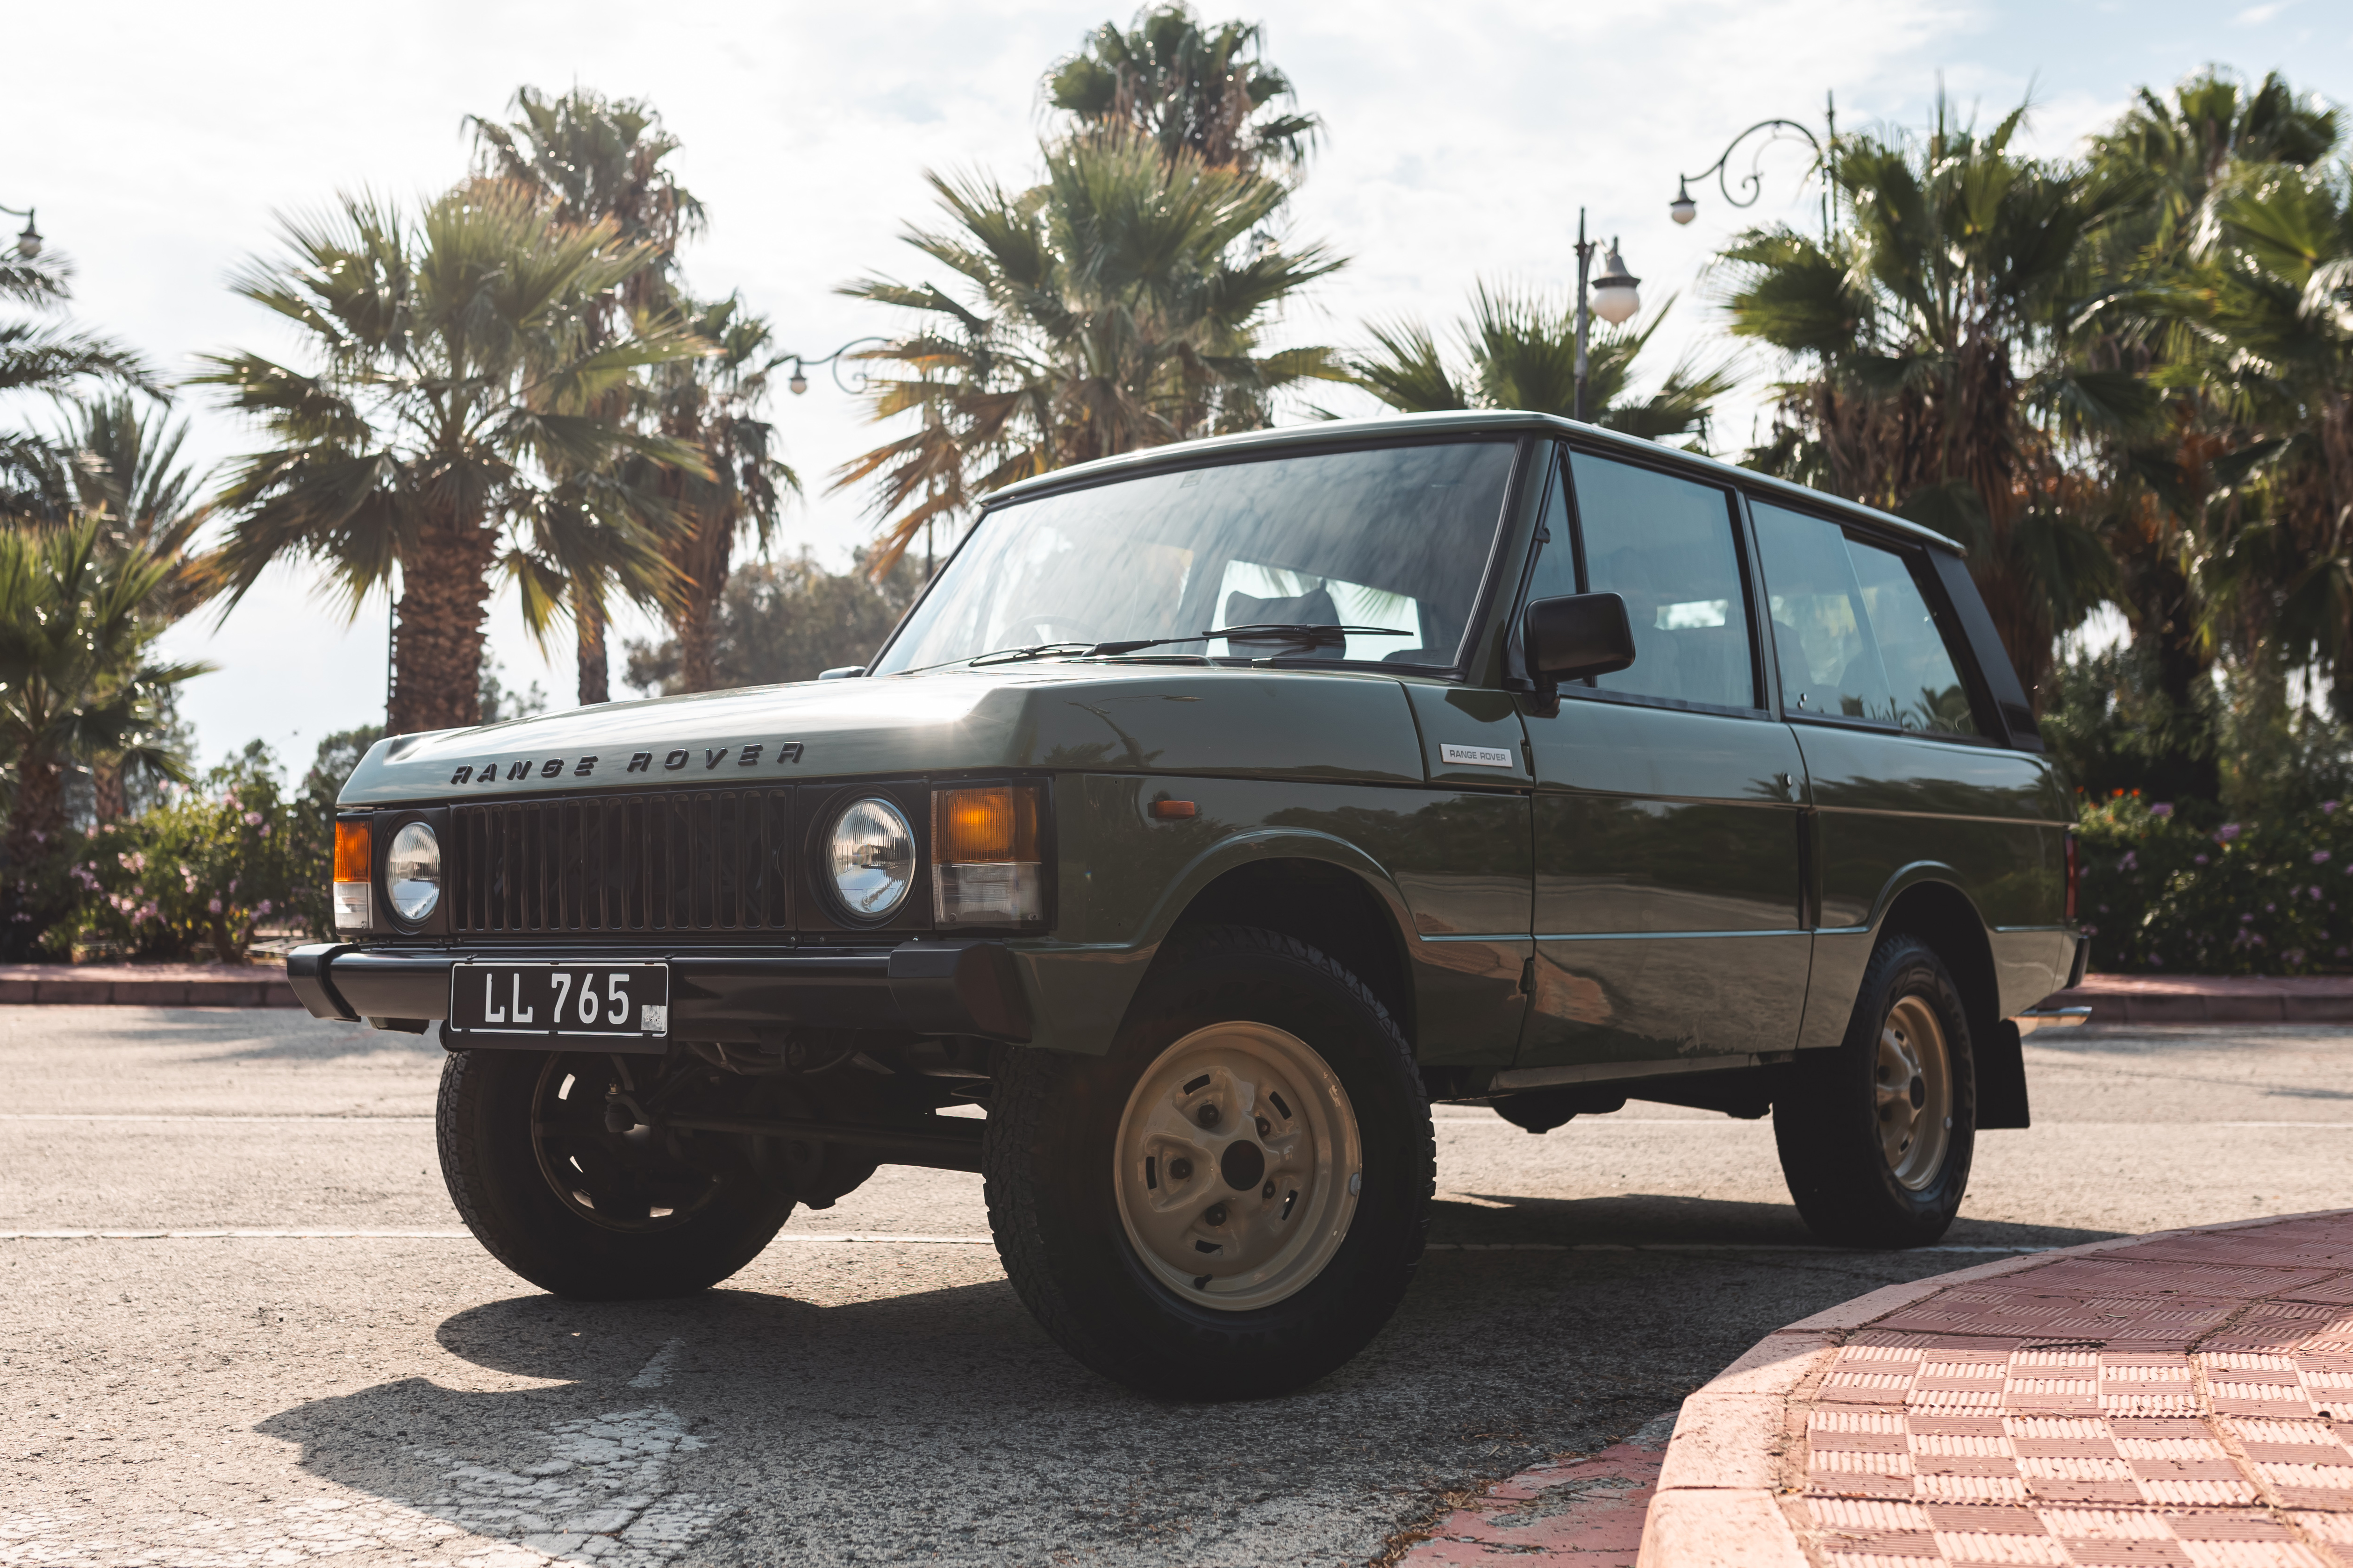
(589, 1206)
(1230, 1203)
(1875, 1137)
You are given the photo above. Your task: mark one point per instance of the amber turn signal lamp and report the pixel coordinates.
(354, 874)
(1173, 810)
(986, 866)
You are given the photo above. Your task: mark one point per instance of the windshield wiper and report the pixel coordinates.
(1035, 650)
(1260, 631)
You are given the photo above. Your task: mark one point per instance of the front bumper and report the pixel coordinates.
(924, 987)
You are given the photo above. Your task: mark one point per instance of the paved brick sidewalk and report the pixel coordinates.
(2213, 998)
(147, 984)
(2182, 1398)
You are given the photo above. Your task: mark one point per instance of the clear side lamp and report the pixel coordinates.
(986, 866)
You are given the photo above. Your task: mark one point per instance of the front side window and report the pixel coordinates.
(1854, 633)
(1392, 540)
(1666, 546)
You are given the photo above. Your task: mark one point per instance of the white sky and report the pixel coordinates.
(158, 142)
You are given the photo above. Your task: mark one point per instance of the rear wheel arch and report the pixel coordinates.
(1941, 915)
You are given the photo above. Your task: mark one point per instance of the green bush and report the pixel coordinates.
(2259, 897)
(194, 876)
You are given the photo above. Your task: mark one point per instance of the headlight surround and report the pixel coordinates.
(412, 872)
(871, 857)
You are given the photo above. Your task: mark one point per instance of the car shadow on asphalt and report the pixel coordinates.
(789, 1427)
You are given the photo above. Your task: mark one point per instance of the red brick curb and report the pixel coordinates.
(2212, 999)
(145, 985)
(2180, 1398)
(1592, 1507)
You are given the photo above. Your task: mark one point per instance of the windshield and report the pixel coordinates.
(1390, 542)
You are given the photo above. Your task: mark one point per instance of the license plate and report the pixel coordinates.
(561, 1001)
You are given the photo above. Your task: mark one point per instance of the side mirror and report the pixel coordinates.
(1579, 635)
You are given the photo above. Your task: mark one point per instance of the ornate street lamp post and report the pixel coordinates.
(1682, 209)
(1611, 297)
(798, 382)
(29, 242)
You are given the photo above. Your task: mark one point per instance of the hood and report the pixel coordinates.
(1094, 718)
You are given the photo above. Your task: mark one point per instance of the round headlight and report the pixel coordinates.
(872, 858)
(412, 871)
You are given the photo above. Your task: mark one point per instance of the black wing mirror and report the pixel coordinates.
(1579, 635)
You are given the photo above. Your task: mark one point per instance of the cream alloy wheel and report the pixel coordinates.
(1238, 1166)
(1914, 1085)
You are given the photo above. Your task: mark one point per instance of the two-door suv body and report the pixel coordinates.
(1215, 810)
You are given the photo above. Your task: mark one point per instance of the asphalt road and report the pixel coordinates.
(870, 1391)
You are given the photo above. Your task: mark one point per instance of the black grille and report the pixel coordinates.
(698, 860)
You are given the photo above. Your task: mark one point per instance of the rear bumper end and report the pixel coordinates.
(925, 988)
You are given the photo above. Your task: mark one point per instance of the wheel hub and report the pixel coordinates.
(1237, 1166)
(1914, 1090)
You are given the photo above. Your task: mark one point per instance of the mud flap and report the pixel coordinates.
(2001, 1078)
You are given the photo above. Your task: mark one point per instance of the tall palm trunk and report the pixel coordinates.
(38, 817)
(588, 623)
(437, 650)
(697, 637)
(110, 800)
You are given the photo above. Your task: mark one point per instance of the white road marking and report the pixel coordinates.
(656, 1371)
(202, 1116)
(885, 1239)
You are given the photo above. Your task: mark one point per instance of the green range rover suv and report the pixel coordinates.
(1215, 810)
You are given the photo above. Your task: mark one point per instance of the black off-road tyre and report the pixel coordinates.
(1054, 1120)
(483, 1124)
(1831, 1124)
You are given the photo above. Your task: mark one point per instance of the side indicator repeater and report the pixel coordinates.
(1174, 810)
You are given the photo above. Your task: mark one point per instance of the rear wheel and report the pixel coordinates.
(1876, 1136)
(587, 1207)
(1230, 1203)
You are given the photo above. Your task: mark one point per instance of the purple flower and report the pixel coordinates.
(261, 908)
(265, 830)
(2327, 808)
(214, 906)
(2128, 862)
(253, 819)
(2156, 962)
(2200, 859)
(2246, 919)
(2320, 857)
(2316, 895)
(2162, 810)
(2227, 831)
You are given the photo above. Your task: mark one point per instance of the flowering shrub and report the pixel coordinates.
(2249, 898)
(196, 874)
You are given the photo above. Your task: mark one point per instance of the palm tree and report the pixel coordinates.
(1518, 350)
(452, 424)
(594, 160)
(127, 479)
(1204, 91)
(2151, 496)
(38, 356)
(1930, 331)
(1120, 304)
(712, 405)
(2278, 310)
(77, 675)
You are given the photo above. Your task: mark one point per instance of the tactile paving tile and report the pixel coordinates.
(2188, 1401)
